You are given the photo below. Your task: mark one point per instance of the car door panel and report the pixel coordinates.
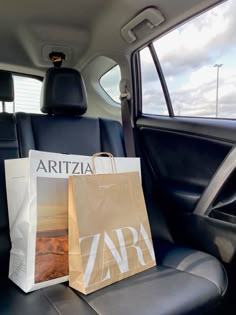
(184, 155)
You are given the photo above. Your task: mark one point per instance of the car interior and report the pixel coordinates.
(149, 79)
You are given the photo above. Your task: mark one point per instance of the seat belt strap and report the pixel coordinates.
(126, 120)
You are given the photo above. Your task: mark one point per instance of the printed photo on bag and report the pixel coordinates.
(51, 256)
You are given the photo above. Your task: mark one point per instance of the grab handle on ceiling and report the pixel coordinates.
(153, 17)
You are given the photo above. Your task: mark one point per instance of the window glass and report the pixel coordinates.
(199, 63)
(153, 101)
(27, 95)
(110, 82)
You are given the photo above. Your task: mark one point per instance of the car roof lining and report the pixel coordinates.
(83, 29)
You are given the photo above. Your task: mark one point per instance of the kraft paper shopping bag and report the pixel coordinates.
(109, 232)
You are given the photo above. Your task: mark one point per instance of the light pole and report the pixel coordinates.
(218, 66)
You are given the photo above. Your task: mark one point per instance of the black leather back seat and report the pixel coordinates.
(63, 130)
(184, 282)
(8, 150)
(69, 135)
(53, 300)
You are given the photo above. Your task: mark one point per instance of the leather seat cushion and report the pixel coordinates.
(184, 282)
(193, 262)
(157, 291)
(54, 300)
(160, 290)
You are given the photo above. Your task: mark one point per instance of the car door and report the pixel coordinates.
(186, 129)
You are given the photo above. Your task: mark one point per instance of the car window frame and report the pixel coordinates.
(137, 78)
(137, 81)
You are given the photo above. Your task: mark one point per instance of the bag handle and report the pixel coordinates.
(113, 163)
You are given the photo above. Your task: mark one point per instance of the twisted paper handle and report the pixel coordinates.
(113, 163)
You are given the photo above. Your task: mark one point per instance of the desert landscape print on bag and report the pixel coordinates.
(51, 256)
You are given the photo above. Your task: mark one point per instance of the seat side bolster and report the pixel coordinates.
(25, 134)
(111, 135)
(196, 263)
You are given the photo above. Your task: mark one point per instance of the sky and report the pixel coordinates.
(110, 82)
(52, 203)
(187, 56)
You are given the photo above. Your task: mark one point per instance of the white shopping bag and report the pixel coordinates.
(37, 194)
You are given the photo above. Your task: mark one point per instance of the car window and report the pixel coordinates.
(110, 82)
(198, 60)
(153, 101)
(27, 95)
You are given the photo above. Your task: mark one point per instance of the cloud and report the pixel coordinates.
(150, 104)
(187, 56)
(199, 41)
(110, 82)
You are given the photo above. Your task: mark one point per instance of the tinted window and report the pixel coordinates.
(110, 82)
(153, 101)
(199, 63)
(27, 95)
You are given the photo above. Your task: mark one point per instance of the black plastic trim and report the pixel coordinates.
(162, 80)
(136, 86)
(226, 168)
(221, 130)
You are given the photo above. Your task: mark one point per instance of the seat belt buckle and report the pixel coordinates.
(124, 90)
(124, 96)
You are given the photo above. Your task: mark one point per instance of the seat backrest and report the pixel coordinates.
(68, 135)
(8, 150)
(63, 130)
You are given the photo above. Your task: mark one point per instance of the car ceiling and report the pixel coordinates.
(83, 29)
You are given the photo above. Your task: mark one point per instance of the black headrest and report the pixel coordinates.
(63, 92)
(6, 87)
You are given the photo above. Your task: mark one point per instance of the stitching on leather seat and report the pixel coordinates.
(183, 269)
(51, 302)
(227, 280)
(197, 276)
(81, 296)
